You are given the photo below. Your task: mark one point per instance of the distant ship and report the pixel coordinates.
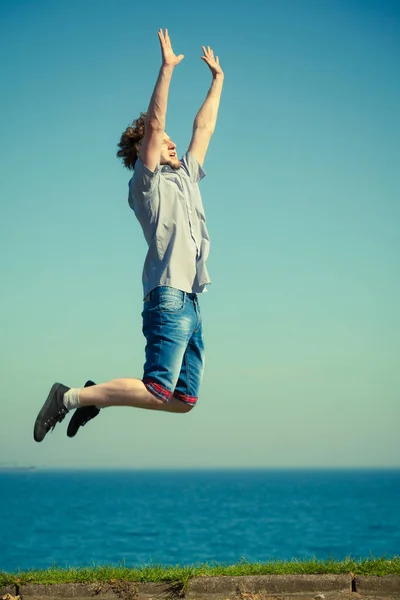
(10, 468)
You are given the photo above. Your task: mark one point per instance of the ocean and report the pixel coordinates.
(80, 518)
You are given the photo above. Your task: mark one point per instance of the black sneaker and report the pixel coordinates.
(53, 411)
(82, 415)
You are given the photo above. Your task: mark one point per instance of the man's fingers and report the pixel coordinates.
(162, 39)
(163, 35)
(167, 38)
(208, 51)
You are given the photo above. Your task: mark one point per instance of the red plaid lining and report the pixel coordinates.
(158, 390)
(185, 398)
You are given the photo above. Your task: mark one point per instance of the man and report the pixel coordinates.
(165, 197)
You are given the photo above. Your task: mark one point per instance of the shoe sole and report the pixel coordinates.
(38, 434)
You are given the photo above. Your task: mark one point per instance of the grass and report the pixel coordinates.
(181, 575)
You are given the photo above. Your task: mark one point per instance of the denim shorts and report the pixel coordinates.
(174, 344)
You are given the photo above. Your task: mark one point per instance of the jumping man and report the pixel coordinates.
(165, 197)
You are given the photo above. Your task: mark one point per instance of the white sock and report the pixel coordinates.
(71, 398)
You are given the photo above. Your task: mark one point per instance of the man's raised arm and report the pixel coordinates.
(206, 118)
(150, 148)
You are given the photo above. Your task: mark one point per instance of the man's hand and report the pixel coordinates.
(212, 62)
(169, 57)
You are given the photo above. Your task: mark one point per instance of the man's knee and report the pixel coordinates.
(160, 397)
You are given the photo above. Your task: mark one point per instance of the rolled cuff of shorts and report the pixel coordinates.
(158, 390)
(191, 400)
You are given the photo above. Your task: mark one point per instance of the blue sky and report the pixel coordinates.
(302, 199)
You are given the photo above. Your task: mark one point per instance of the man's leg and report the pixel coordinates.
(169, 318)
(127, 392)
(87, 412)
(168, 323)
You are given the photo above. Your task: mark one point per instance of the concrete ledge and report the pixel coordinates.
(203, 587)
(381, 586)
(66, 590)
(216, 588)
(113, 590)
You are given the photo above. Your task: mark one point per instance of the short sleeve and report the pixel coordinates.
(143, 185)
(192, 167)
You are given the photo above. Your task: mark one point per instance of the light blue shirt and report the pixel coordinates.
(168, 206)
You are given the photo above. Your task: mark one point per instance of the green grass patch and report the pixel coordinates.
(181, 575)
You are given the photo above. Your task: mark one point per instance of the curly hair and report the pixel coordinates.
(129, 144)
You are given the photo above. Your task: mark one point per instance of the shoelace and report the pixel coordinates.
(57, 418)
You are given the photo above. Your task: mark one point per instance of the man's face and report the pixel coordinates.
(168, 153)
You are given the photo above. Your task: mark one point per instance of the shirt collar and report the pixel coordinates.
(168, 169)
